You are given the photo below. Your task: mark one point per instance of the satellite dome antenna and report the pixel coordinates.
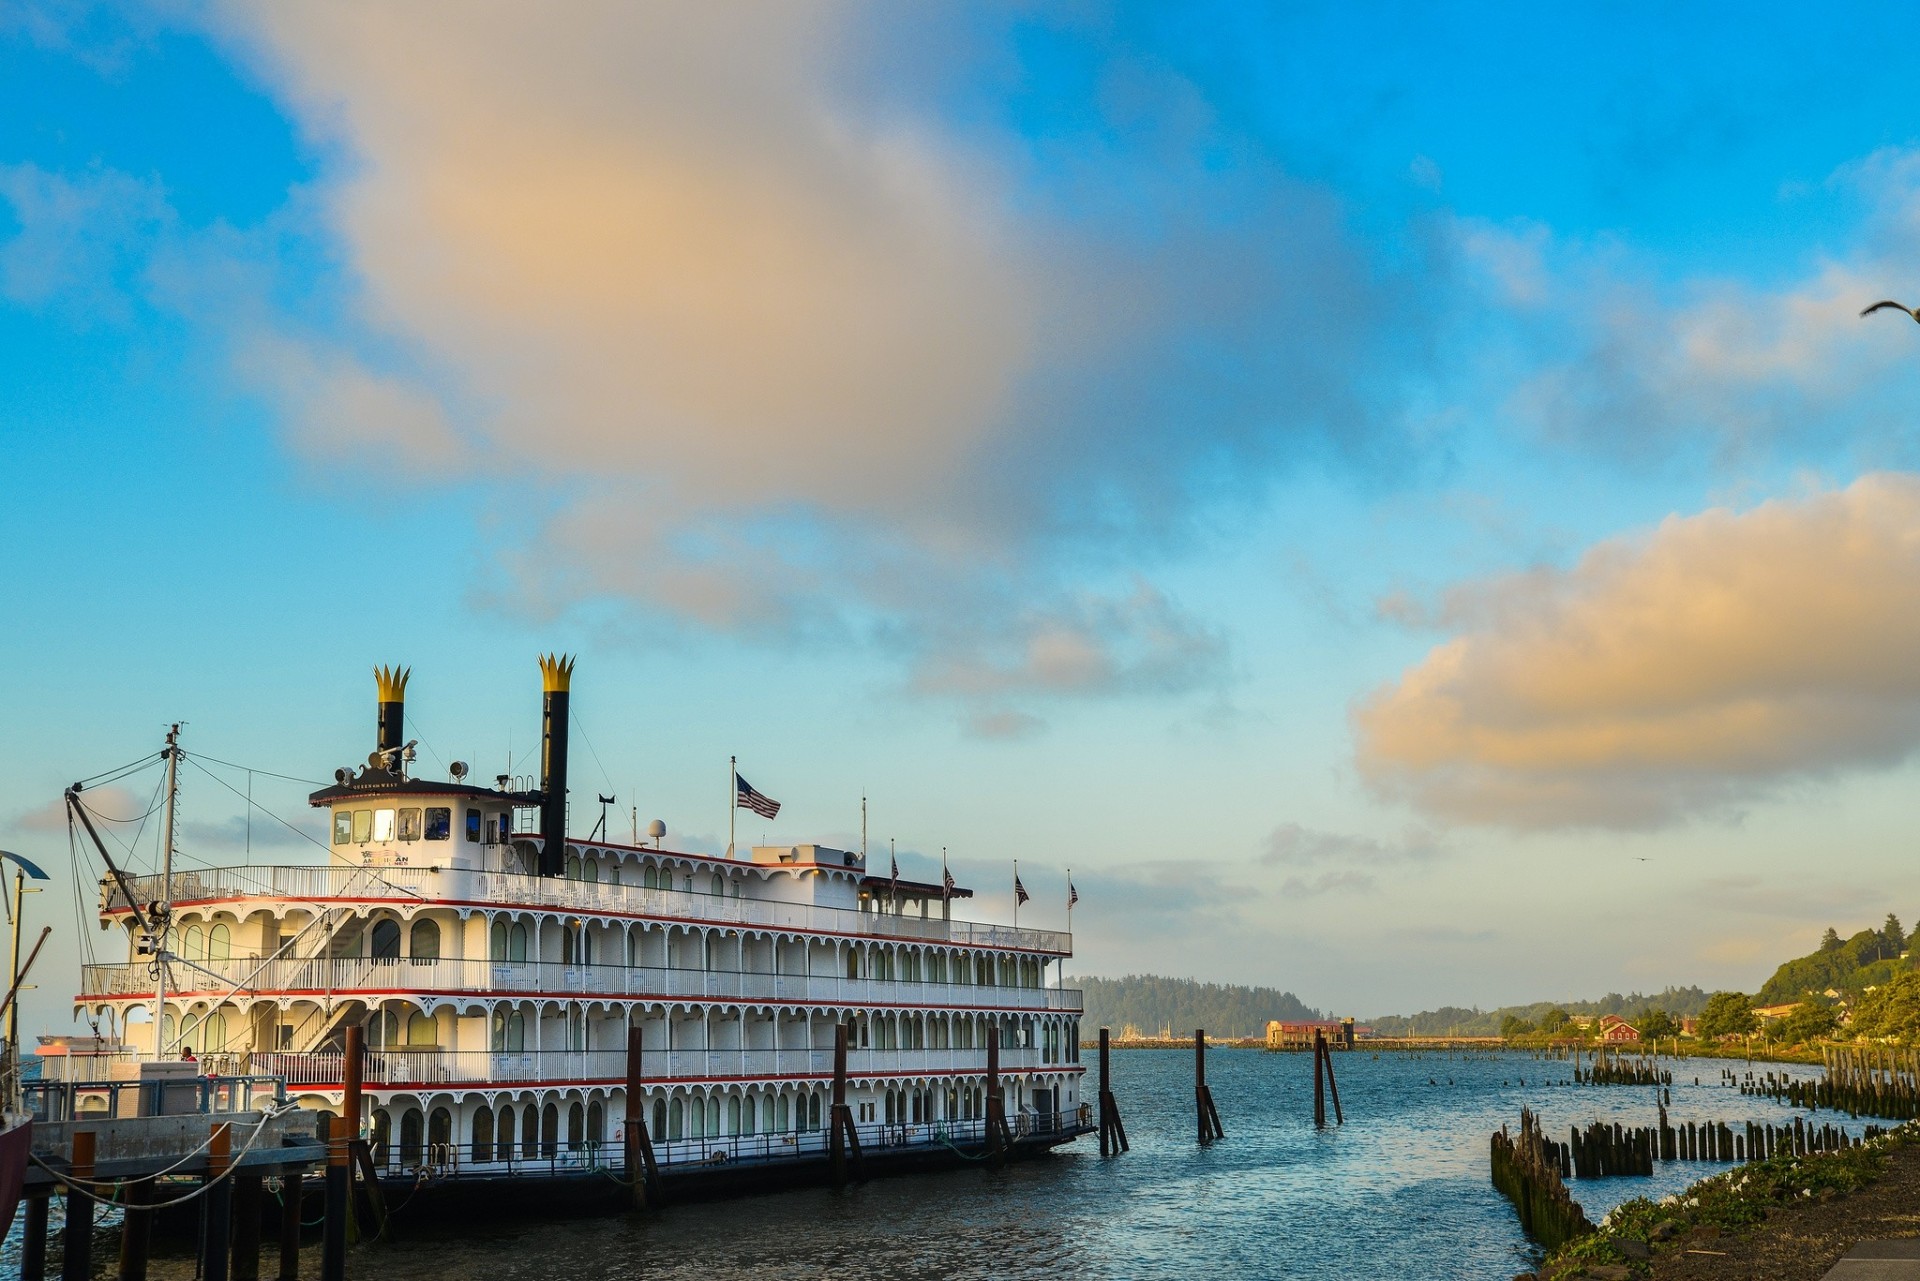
(657, 830)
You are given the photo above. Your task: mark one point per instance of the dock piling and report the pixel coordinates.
(293, 1186)
(643, 1172)
(999, 1138)
(1325, 1052)
(333, 1251)
(844, 1139)
(1319, 1081)
(1113, 1133)
(1208, 1115)
(76, 1263)
(33, 1238)
(249, 1191)
(217, 1225)
(136, 1230)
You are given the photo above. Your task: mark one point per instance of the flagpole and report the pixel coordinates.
(733, 799)
(1063, 960)
(1016, 894)
(863, 829)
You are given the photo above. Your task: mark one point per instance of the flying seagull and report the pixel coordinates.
(1888, 302)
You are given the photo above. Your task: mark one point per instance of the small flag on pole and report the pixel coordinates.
(1073, 895)
(946, 882)
(1019, 890)
(895, 877)
(745, 797)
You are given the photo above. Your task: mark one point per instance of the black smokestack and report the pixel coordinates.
(393, 708)
(556, 675)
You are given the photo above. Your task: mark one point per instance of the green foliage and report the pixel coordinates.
(1151, 1002)
(1727, 1013)
(1554, 1019)
(1655, 1022)
(1733, 1200)
(1513, 1025)
(1455, 1021)
(1868, 958)
(1810, 1022)
(1891, 1009)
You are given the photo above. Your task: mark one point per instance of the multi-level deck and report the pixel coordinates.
(496, 1002)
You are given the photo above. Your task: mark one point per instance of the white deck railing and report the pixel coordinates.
(424, 884)
(427, 1067)
(346, 976)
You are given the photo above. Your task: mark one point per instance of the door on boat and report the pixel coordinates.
(1043, 1108)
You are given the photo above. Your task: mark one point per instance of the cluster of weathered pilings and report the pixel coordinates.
(1606, 1150)
(1612, 1068)
(1527, 1171)
(1860, 1081)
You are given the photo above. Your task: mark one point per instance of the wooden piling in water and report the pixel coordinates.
(293, 1186)
(216, 1224)
(999, 1137)
(1319, 1083)
(249, 1193)
(136, 1229)
(643, 1171)
(1207, 1114)
(1113, 1133)
(845, 1139)
(1333, 1086)
(33, 1238)
(76, 1263)
(333, 1247)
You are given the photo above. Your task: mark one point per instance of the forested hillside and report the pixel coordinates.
(1148, 1003)
(1866, 960)
(1681, 1002)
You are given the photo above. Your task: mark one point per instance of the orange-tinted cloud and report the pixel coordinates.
(1719, 656)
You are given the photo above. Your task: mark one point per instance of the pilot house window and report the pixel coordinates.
(473, 825)
(439, 823)
(409, 825)
(342, 827)
(362, 826)
(383, 825)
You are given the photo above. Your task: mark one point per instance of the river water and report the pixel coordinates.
(1400, 1191)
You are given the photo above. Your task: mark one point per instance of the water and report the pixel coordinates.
(1402, 1190)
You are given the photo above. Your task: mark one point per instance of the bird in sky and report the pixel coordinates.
(1888, 302)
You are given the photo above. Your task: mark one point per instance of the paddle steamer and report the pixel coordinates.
(497, 964)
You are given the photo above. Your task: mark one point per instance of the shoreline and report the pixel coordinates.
(1786, 1219)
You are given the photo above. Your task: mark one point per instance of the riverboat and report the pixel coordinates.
(498, 966)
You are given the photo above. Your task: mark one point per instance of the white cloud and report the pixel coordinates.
(1707, 662)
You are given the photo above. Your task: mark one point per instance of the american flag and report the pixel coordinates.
(744, 797)
(1019, 890)
(1073, 896)
(946, 881)
(896, 873)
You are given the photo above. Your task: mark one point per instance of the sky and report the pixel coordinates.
(1400, 501)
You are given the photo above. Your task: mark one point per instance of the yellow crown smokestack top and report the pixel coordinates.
(556, 681)
(391, 729)
(556, 673)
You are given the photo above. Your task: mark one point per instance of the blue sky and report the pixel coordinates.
(1378, 493)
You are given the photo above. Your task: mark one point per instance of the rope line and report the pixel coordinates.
(79, 1186)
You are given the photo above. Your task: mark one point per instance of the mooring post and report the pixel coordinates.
(1209, 1116)
(217, 1226)
(1333, 1086)
(641, 1170)
(1200, 1083)
(998, 1137)
(1113, 1134)
(292, 1188)
(33, 1238)
(249, 1191)
(333, 1250)
(77, 1241)
(136, 1230)
(1319, 1080)
(837, 1137)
